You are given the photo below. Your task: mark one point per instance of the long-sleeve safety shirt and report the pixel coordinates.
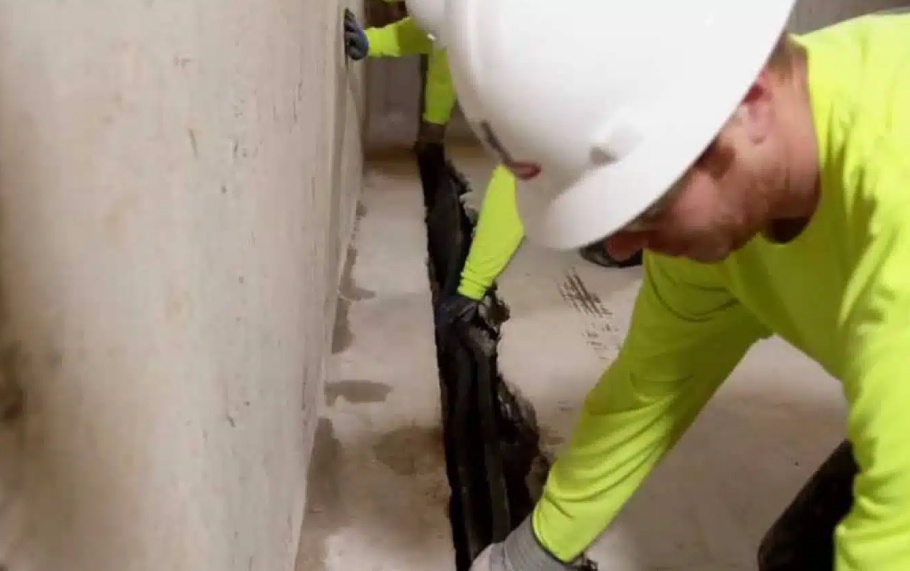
(840, 292)
(403, 38)
(497, 236)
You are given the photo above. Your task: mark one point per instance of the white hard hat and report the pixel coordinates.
(599, 106)
(430, 17)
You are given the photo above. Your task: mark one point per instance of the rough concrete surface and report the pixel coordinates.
(378, 492)
(176, 183)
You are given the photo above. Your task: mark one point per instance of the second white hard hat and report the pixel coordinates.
(599, 106)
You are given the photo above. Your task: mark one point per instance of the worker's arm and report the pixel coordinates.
(687, 334)
(876, 376)
(398, 39)
(497, 236)
(439, 92)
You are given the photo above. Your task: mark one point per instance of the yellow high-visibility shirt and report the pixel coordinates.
(498, 235)
(840, 292)
(403, 38)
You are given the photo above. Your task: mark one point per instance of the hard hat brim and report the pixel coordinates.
(608, 197)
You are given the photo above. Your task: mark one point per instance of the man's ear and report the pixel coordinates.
(755, 114)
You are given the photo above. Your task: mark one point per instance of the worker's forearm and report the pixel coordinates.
(498, 234)
(683, 341)
(398, 39)
(611, 453)
(876, 532)
(876, 315)
(439, 92)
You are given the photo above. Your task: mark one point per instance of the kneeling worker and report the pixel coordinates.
(767, 177)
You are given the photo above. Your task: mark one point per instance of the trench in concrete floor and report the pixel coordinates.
(494, 461)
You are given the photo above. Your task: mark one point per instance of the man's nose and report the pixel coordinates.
(624, 245)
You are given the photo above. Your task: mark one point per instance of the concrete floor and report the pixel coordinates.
(378, 490)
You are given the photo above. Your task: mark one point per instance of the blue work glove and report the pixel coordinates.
(456, 309)
(356, 45)
(522, 552)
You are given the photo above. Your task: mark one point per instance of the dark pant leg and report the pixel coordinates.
(803, 537)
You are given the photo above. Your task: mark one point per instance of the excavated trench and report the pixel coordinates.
(495, 465)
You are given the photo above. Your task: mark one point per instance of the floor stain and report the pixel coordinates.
(348, 292)
(341, 332)
(577, 294)
(599, 332)
(349, 288)
(193, 144)
(324, 508)
(356, 391)
(411, 450)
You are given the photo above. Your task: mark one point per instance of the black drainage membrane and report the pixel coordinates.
(494, 462)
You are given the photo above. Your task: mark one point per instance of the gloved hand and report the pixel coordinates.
(356, 45)
(456, 309)
(522, 552)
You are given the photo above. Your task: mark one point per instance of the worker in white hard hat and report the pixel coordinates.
(767, 177)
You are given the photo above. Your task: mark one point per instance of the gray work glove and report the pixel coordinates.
(356, 45)
(522, 552)
(456, 309)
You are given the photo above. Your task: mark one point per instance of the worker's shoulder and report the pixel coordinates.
(860, 77)
(869, 53)
(886, 26)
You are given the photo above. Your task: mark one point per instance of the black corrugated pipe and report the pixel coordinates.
(494, 462)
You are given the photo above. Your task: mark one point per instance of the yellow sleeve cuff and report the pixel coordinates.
(439, 93)
(398, 39)
(498, 235)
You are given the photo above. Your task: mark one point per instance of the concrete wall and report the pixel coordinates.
(177, 184)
